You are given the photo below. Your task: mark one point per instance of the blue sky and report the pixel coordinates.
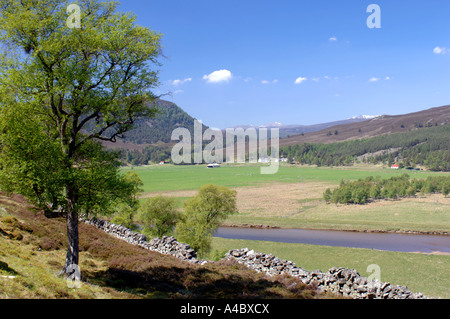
(234, 62)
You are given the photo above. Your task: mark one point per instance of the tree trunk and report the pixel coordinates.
(72, 256)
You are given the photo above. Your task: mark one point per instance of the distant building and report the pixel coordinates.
(268, 160)
(395, 166)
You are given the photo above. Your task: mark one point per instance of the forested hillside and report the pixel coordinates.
(429, 146)
(159, 129)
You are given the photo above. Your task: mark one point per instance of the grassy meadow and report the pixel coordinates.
(293, 198)
(158, 178)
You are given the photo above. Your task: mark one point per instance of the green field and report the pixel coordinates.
(308, 210)
(428, 274)
(189, 177)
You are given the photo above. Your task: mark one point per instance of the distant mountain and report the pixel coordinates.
(294, 129)
(364, 117)
(380, 125)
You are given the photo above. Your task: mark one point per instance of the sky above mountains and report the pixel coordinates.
(299, 62)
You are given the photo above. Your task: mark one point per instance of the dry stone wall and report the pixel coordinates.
(165, 245)
(337, 279)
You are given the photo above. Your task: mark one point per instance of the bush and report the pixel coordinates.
(202, 215)
(125, 217)
(327, 195)
(446, 189)
(159, 216)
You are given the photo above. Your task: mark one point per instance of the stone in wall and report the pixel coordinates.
(347, 282)
(165, 245)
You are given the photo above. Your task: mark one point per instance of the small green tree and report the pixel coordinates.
(126, 210)
(411, 191)
(203, 213)
(159, 216)
(375, 191)
(446, 189)
(327, 195)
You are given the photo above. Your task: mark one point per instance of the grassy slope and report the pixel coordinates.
(32, 252)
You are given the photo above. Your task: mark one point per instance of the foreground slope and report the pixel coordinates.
(32, 252)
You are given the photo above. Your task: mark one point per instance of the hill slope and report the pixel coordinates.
(32, 252)
(428, 146)
(385, 124)
(157, 130)
(294, 129)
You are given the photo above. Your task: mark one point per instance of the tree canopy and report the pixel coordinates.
(57, 81)
(203, 213)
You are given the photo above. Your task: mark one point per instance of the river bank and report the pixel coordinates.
(396, 231)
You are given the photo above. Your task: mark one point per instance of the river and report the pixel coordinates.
(379, 241)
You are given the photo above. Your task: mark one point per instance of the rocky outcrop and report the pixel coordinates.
(338, 279)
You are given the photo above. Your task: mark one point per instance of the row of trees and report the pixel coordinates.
(194, 224)
(149, 154)
(370, 188)
(429, 147)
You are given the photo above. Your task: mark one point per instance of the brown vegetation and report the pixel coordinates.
(386, 124)
(121, 270)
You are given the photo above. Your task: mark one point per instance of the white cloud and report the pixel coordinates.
(374, 79)
(300, 80)
(439, 50)
(178, 92)
(218, 76)
(269, 82)
(180, 82)
(387, 78)
(332, 39)
(316, 79)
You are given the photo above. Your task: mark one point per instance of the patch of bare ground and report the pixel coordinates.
(279, 199)
(186, 193)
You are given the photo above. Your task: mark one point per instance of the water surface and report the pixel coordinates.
(380, 241)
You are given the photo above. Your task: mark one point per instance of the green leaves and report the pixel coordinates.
(63, 91)
(203, 213)
(159, 216)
